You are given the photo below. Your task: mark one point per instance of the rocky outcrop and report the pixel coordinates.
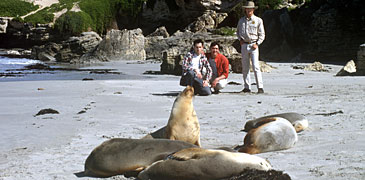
(24, 35)
(46, 52)
(119, 45)
(321, 30)
(171, 50)
(75, 47)
(68, 51)
(175, 14)
(208, 21)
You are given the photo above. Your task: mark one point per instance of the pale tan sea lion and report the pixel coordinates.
(120, 156)
(183, 123)
(276, 134)
(299, 122)
(203, 164)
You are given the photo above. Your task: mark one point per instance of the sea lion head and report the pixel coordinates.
(188, 92)
(300, 125)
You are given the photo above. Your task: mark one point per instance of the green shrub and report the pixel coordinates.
(41, 17)
(100, 12)
(225, 31)
(103, 12)
(18, 19)
(74, 23)
(132, 7)
(95, 14)
(14, 8)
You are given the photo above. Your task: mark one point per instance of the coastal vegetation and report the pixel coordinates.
(15, 8)
(225, 31)
(96, 15)
(99, 15)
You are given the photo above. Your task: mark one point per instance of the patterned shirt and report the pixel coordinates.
(251, 29)
(203, 65)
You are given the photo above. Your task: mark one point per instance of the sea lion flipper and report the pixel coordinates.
(186, 154)
(265, 121)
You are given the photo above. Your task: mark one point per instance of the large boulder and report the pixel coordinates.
(236, 64)
(73, 48)
(348, 69)
(119, 45)
(46, 52)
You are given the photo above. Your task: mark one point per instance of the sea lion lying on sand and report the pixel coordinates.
(120, 156)
(271, 135)
(203, 164)
(299, 122)
(183, 123)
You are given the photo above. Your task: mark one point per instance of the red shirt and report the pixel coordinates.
(222, 64)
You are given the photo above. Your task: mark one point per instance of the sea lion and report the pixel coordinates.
(120, 156)
(299, 122)
(203, 164)
(276, 134)
(183, 123)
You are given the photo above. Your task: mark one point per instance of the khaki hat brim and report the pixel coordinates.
(255, 7)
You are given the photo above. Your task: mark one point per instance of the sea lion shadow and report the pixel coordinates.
(80, 174)
(171, 93)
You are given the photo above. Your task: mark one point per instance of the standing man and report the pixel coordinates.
(251, 33)
(220, 68)
(196, 70)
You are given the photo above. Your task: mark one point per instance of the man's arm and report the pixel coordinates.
(261, 33)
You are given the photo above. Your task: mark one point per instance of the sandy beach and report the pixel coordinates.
(132, 104)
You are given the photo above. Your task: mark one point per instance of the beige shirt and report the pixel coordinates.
(251, 29)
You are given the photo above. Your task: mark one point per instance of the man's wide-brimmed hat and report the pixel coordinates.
(250, 4)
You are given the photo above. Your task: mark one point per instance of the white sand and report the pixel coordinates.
(55, 146)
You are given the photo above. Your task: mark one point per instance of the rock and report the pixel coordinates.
(171, 50)
(119, 45)
(236, 64)
(46, 52)
(161, 31)
(75, 47)
(3, 25)
(316, 66)
(322, 30)
(348, 69)
(38, 66)
(209, 20)
(68, 51)
(175, 14)
(24, 35)
(171, 61)
(47, 111)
